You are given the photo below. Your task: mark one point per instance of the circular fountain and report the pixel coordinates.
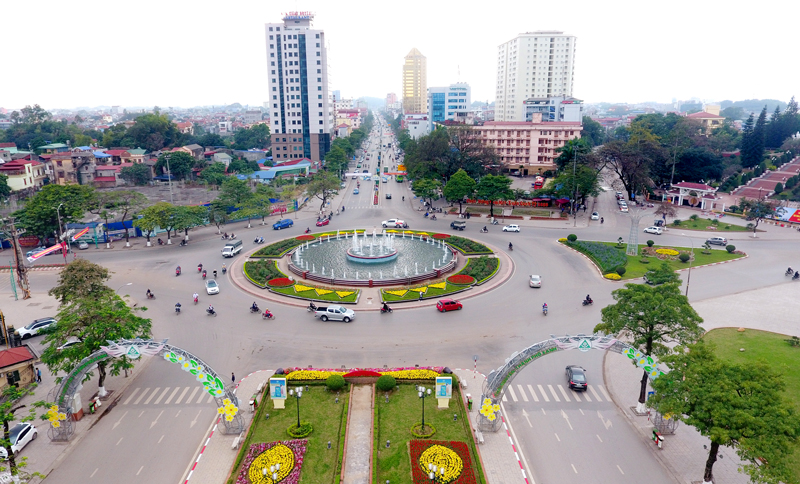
(377, 250)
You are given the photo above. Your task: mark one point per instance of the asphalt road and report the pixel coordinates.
(151, 439)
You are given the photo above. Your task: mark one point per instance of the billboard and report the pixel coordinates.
(277, 388)
(444, 387)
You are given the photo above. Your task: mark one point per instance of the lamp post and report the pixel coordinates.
(436, 473)
(169, 180)
(689, 277)
(423, 394)
(273, 470)
(297, 394)
(120, 287)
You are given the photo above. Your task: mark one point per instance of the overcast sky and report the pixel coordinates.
(65, 54)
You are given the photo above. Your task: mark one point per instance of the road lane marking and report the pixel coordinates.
(154, 422)
(182, 394)
(147, 402)
(586, 396)
(201, 397)
(131, 396)
(93, 473)
(557, 437)
(598, 438)
(511, 391)
(544, 394)
(606, 422)
(574, 469)
(177, 414)
(524, 414)
(159, 440)
(522, 393)
(533, 393)
(141, 396)
(210, 398)
(169, 399)
(140, 414)
(120, 440)
(591, 389)
(158, 400)
(543, 411)
(195, 419)
(504, 398)
(604, 392)
(191, 395)
(561, 389)
(119, 421)
(620, 470)
(566, 417)
(575, 394)
(554, 393)
(140, 470)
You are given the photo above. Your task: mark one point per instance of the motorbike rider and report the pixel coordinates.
(215, 273)
(588, 299)
(312, 306)
(177, 307)
(224, 269)
(178, 270)
(544, 307)
(199, 267)
(254, 307)
(789, 270)
(267, 313)
(796, 275)
(210, 309)
(385, 307)
(510, 246)
(485, 229)
(148, 293)
(195, 297)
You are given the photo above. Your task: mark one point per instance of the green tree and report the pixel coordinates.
(494, 188)
(138, 174)
(215, 174)
(242, 166)
(187, 217)
(593, 132)
(426, 189)
(180, 163)
(153, 217)
(336, 160)
(5, 190)
(235, 191)
(323, 185)
(40, 215)
(662, 274)
(458, 187)
(256, 136)
(154, 131)
(742, 406)
(10, 407)
(218, 214)
(211, 139)
(757, 210)
(583, 183)
(651, 318)
(34, 114)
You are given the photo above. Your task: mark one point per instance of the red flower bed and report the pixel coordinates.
(280, 282)
(305, 237)
(362, 373)
(441, 236)
(420, 475)
(461, 279)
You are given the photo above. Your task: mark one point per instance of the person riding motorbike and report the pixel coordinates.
(404, 198)
(342, 209)
(195, 298)
(510, 246)
(267, 314)
(312, 306)
(385, 308)
(204, 273)
(308, 229)
(544, 308)
(160, 242)
(177, 307)
(254, 308)
(224, 269)
(178, 271)
(601, 220)
(199, 267)
(789, 271)
(225, 235)
(210, 309)
(215, 273)
(148, 293)
(796, 275)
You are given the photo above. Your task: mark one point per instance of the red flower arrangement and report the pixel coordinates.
(280, 282)
(355, 373)
(420, 476)
(461, 279)
(441, 236)
(305, 237)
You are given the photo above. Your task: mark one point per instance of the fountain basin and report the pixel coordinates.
(352, 256)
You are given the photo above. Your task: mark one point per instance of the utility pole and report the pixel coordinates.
(22, 275)
(575, 183)
(169, 179)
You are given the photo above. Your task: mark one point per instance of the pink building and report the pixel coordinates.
(527, 148)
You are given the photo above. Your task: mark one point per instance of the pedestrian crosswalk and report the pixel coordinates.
(168, 396)
(596, 393)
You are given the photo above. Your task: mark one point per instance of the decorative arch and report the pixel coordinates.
(60, 414)
(495, 384)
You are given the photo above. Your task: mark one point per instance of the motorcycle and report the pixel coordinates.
(796, 276)
(196, 300)
(587, 302)
(200, 268)
(160, 242)
(151, 296)
(177, 309)
(495, 222)
(308, 230)
(433, 217)
(183, 243)
(510, 247)
(484, 231)
(258, 240)
(788, 272)
(254, 309)
(311, 308)
(388, 310)
(267, 315)
(204, 275)
(177, 272)
(544, 310)
(211, 311)
(224, 269)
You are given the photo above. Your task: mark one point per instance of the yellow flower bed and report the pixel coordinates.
(443, 458)
(421, 290)
(441, 285)
(322, 292)
(672, 252)
(562, 239)
(278, 454)
(344, 294)
(411, 374)
(311, 375)
(613, 276)
(302, 288)
(400, 293)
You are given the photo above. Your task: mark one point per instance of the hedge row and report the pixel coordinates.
(277, 249)
(261, 271)
(605, 256)
(481, 268)
(468, 246)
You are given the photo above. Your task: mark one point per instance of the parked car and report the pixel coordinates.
(717, 241)
(458, 225)
(653, 230)
(33, 252)
(445, 305)
(83, 245)
(212, 287)
(535, 281)
(576, 377)
(19, 436)
(511, 228)
(282, 224)
(595, 216)
(335, 313)
(33, 328)
(323, 222)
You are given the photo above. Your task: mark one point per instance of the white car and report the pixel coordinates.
(653, 230)
(623, 208)
(33, 328)
(535, 281)
(19, 436)
(511, 228)
(83, 245)
(212, 287)
(394, 222)
(595, 216)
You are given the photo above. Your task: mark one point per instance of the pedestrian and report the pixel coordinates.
(38, 376)
(420, 295)
(233, 378)
(584, 208)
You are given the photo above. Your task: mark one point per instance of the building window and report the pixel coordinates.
(319, 79)
(272, 54)
(317, 54)
(274, 88)
(320, 121)
(320, 104)
(271, 46)
(270, 29)
(318, 63)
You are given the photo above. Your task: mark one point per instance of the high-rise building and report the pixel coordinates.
(448, 103)
(391, 98)
(415, 83)
(533, 65)
(299, 103)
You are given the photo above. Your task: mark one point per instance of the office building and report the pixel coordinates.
(533, 65)
(448, 103)
(415, 83)
(299, 102)
(417, 125)
(555, 109)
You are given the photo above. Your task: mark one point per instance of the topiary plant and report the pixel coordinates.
(620, 270)
(676, 222)
(335, 382)
(684, 257)
(650, 243)
(730, 248)
(386, 383)
(694, 217)
(572, 237)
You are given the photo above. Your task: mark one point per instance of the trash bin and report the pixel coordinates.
(469, 403)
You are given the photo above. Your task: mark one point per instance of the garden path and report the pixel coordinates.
(358, 444)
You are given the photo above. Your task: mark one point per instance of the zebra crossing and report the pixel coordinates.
(168, 396)
(563, 394)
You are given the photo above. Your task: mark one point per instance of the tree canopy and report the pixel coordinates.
(494, 188)
(40, 215)
(458, 187)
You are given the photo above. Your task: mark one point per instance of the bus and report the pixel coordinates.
(398, 178)
(538, 182)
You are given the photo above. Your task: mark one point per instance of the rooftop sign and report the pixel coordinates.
(298, 16)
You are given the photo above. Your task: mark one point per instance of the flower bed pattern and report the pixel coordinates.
(481, 268)
(606, 257)
(305, 237)
(453, 455)
(259, 272)
(413, 293)
(468, 246)
(316, 293)
(280, 282)
(461, 279)
(289, 454)
(398, 373)
(356, 373)
(441, 236)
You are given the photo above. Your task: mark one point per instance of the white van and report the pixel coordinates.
(232, 248)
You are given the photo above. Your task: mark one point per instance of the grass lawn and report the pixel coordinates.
(393, 421)
(329, 420)
(704, 223)
(768, 347)
(312, 295)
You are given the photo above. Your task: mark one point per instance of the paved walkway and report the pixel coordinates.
(358, 442)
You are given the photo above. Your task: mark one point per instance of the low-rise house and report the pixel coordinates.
(24, 174)
(54, 148)
(10, 147)
(73, 167)
(108, 176)
(195, 150)
(222, 158)
(118, 155)
(17, 365)
(186, 128)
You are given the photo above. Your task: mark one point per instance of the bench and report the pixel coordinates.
(236, 442)
(479, 437)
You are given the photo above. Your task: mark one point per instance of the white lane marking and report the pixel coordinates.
(182, 394)
(586, 396)
(574, 469)
(210, 398)
(598, 438)
(140, 414)
(554, 393)
(171, 395)
(543, 411)
(154, 422)
(557, 437)
(159, 440)
(93, 473)
(533, 393)
(620, 470)
(191, 395)
(522, 393)
(131, 396)
(119, 421)
(544, 394)
(591, 389)
(195, 419)
(140, 470)
(504, 398)
(146, 402)
(604, 392)
(511, 391)
(120, 440)
(179, 412)
(575, 394)
(141, 396)
(201, 397)
(563, 393)
(606, 422)
(566, 417)
(158, 400)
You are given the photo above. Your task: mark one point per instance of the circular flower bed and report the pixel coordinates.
(280, 282)
(443, 458)
(461, 279)
(305, 237)
(670, 252)
(441, 236)
(613, 276)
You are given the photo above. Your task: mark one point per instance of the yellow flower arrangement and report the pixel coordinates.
(421, 290)
(322, 292)
(399, 293)
(344, 294)
(671, 252)
(311, 375)
(562, 239)
(55, 417)
(302, 288)
(440, 285)
(612, 276)
(278, 454)
(443, 458)
(411, 374)
(488, 409)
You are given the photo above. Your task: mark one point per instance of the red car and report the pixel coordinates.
(323, 222)
(445, 305)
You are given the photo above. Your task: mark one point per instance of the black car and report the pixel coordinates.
(388, 196)
(576, 377)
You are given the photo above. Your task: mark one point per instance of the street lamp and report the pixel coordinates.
(273, 470)
(297, 394)
(120, 287)
(423, 393)
(689, 277)
(435, 473)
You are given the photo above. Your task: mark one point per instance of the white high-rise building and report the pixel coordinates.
(533, 65)
(299, 102)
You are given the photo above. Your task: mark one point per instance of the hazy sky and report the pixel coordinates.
(64, 54)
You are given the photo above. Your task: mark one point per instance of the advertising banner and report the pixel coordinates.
(444, 387)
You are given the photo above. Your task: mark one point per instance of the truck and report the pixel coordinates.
(394, 223)
(335, 313)
(232, 248)
(458, 225)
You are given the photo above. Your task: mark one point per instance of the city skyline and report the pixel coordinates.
(181, 58)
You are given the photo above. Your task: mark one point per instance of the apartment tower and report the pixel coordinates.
(533, 65)
(299, 104)
(415, 83)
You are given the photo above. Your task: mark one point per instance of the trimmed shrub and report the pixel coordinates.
(605, 256)
(676, 222)
(386, 383)
(572, 237)
(730, 248)
(480, 267)
(694, 217)
(650, 243)
(684, 257)
(468, 246)
(620, 270)
(335, 382)
(303, 431)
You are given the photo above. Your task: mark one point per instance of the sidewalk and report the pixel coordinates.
(358, 442)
